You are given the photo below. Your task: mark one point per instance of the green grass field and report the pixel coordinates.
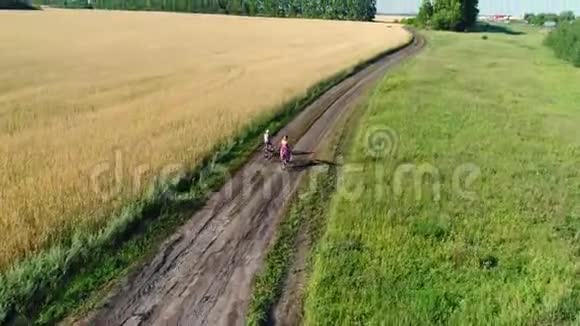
(496, 123)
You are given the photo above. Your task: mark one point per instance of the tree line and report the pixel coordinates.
(15, 4)
(364, 10)
(541, 18)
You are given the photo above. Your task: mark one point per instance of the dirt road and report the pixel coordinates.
(203, 274)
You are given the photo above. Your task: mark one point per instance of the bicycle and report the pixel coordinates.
(269, 151)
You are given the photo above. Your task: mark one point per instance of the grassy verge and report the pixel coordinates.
(467, 213)
(307, 214)
(45, 288)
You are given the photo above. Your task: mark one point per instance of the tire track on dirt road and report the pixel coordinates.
(203, 274)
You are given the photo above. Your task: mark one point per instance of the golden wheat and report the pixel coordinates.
(123, 94)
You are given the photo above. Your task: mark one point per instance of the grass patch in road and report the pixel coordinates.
(501, 248)
(307, 214)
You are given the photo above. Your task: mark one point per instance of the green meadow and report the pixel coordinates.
(459, 198)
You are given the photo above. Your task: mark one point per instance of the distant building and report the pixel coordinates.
(515, 8)
(550, 24)
(500, 18)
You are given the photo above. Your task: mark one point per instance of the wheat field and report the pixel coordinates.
(92, 100)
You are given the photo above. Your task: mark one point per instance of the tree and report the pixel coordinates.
(529, 17)
(453, 15)
(425, 14)
(469, 13)
(447, 15)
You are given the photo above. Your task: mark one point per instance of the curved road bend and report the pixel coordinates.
(203, 274)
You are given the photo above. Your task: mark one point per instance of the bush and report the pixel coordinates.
(565, 41)
(447, 15)
(409, 21)
(452, 15)
(425, 14)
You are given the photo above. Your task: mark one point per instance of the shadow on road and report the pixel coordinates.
(299, 153)
(301, 165)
